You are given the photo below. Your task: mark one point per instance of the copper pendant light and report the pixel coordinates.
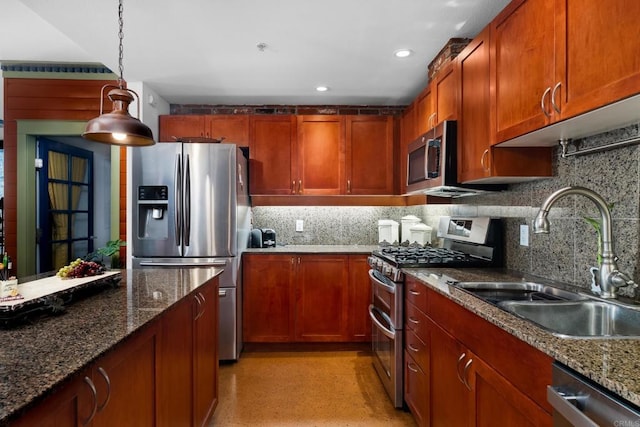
(119, 127)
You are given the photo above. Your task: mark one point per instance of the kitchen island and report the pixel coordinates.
(41, 358)
(612, 363)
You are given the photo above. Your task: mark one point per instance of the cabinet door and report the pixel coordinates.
(474, 139)
(416, 390)
(125, 382)
(233, 128)
(522, 67)
(424, 111)
(269, 299)
(321, 155)
(597, 53)
(177, 126)
(495, 401)
(205, 358)
(321, 300)
(369, 148)
(72, 405)
(175, 365)
(359, 299)
(445, 94)
(272, 155)
(450, 397)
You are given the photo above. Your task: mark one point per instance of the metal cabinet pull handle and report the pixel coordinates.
(108, 382)
(349, 186)
(293, 187)
(553, 97)
(413, 320)
(410, 368)
(300, 186)
(460, 359)
(412, 292)
(485, 155)
(465, 374)
(199, 312)
(94, 396)
(544, 95)
(412, 348)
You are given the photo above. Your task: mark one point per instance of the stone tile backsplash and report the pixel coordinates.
(565, 254)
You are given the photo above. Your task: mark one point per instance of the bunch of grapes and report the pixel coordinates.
(80, 268)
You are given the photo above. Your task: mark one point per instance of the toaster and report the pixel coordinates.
(263, 238)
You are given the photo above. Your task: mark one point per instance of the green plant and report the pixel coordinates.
(111, 250)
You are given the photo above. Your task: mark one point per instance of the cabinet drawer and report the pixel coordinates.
(416, 294)
(416, 321)
(417, 349)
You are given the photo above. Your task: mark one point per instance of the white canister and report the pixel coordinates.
(387, 231)
(407, 222)
(420, 233)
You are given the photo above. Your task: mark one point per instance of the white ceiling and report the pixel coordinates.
(205, 51)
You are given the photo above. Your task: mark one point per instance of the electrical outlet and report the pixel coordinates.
(524, 235)
(299, 225)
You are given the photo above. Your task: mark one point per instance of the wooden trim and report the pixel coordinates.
(411, 200)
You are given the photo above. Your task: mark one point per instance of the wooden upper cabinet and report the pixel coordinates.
(444, 93)
(424, 111)
(522, 69)
(369, 142)
(408, 133)
(597, 59)
(321, 155)
(272, 155)
(178, 126)
(233, 128)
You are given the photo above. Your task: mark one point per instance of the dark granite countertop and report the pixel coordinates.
(36, 358)
(315, 249)
(612, 363)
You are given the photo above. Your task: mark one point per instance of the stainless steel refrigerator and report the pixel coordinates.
(190, 209)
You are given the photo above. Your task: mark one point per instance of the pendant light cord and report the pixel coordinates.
(120, 47)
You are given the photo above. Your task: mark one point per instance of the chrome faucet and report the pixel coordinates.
(610, 278)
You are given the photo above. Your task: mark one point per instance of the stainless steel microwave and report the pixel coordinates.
(432, 161)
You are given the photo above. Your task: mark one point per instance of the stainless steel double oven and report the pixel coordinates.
(387, 317)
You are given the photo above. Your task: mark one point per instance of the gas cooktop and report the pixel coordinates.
(403, 256)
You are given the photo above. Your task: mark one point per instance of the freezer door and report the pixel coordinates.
(156, 189)
(209, 200)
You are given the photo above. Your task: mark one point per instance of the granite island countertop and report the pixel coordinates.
(37, 358)
(612, 363)
(314, 249)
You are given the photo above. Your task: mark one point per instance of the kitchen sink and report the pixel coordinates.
(585, 318)
(496, 292)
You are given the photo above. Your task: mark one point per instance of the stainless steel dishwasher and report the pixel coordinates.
(576, 401)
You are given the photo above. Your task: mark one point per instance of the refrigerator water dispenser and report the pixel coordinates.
(152, 206)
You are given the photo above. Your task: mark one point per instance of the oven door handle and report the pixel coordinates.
(389, 288)
(384, 329)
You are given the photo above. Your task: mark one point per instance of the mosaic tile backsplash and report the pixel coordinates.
(566, 254)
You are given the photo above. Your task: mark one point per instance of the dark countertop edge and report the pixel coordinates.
(314, 249)
(13, 413)
(556, 347)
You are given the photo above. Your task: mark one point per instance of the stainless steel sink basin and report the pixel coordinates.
(586, 318)
(495, 292)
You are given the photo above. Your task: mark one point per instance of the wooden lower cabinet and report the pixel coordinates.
(305, 298)
(164, 375)
(118, 389)
(461, 370)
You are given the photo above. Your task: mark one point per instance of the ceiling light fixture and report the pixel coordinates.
(403, 53)
(119, 127)
(322, 88)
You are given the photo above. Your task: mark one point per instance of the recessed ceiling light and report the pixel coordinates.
(403, 53)
(322, 88)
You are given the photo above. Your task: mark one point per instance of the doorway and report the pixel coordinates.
(65, 204)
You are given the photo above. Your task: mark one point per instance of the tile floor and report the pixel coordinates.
(304, 388)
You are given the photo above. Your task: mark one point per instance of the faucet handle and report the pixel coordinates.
(620, 279)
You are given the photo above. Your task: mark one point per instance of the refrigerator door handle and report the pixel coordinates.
(187, 204)
(177, 188)
(183, 264)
